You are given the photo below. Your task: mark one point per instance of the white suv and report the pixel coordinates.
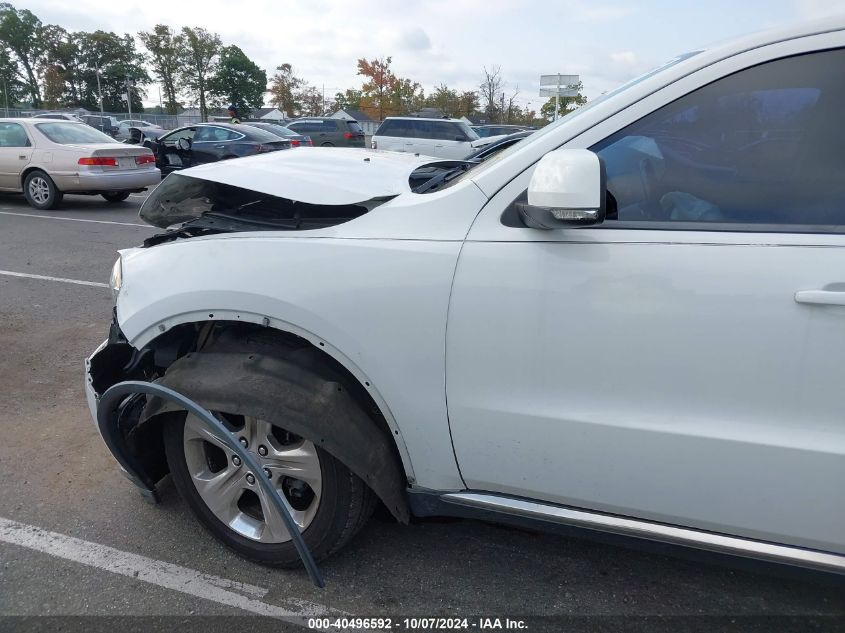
(632, 321)
(443, 138)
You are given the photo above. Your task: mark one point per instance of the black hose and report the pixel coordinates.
(107, 408)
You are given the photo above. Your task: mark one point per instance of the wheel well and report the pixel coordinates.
(150, 363)
(26, 172)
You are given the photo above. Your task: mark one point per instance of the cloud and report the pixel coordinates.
(818, 8)
(624, 58)
(415, 39)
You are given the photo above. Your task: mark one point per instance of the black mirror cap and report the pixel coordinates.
(543, 217)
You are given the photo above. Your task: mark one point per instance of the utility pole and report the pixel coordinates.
(99, 89)
(129, 96)
(6, 96)
(324, 99)
(160, 107)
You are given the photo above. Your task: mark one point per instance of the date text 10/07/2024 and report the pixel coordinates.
(417, 624)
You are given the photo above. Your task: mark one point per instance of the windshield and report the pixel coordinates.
(72, 133)
(577, 112)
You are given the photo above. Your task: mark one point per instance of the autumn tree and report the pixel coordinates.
(198, 55)
(379, 80)
(164, 47)
(21, 34)
(284, 90)
(238, 81)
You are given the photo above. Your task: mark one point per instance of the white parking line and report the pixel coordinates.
(80, 282)
(52, 217)
(167, 575)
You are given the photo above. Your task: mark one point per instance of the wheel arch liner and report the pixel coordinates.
(296, 399)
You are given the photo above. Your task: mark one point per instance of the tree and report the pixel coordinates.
(350, 99)
(238, 80)
(567, 104)
(115, 59)
(376, 89)
(284, 88)
(490, 88)
(20, 33)
(311, 101)
(164, 47)
(12, 89)
(198, 54)
(405, 96)
(61, 70)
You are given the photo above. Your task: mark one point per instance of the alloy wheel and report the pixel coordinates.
(230, 489)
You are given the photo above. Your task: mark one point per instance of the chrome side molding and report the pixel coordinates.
(665, 533)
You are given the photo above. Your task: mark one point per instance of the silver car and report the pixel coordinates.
(149, 130)
(48, 158)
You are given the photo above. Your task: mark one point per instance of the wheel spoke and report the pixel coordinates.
(275, 529)
(299, 461)
(195, 430)
(222, 491)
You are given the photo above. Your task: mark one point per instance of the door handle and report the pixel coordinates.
(821, 297)
(219, 146)
(22, 156)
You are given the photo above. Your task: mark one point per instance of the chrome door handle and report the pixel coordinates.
(821, 297)
(219, 146)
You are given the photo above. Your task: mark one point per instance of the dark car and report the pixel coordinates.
(296, 140)
(106, 124)
(210, 142)
(496, 130)
(329, 132)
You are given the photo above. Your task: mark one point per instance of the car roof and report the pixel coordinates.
(422, 118)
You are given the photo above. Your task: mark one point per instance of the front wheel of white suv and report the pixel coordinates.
(330, 504)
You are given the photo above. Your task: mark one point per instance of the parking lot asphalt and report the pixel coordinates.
(76, 539)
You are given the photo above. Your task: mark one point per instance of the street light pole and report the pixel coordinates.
(99, 89)
(6, 96)
(129, 96)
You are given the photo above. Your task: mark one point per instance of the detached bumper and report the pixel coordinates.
(91, 394)
(103, 368)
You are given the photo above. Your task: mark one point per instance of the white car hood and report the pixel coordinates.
(318, 175)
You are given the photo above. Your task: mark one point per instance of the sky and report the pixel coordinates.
(606, 42)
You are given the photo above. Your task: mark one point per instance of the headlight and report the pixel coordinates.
(116, 279)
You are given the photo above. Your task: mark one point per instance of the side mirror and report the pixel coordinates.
(183, 144)
(567, 188)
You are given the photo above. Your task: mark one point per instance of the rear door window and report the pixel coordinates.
(395, 127)
(13, 135)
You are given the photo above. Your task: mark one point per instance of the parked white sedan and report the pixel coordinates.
(633, 321)
(48, 158)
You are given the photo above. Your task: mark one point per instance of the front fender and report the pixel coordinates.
(377, 306)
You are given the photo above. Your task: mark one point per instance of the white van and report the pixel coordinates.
(443, 138)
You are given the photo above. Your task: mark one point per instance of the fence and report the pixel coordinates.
(167, 121)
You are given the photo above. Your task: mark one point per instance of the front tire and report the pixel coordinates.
(330, 503)
(115, 196)
(41, 192)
